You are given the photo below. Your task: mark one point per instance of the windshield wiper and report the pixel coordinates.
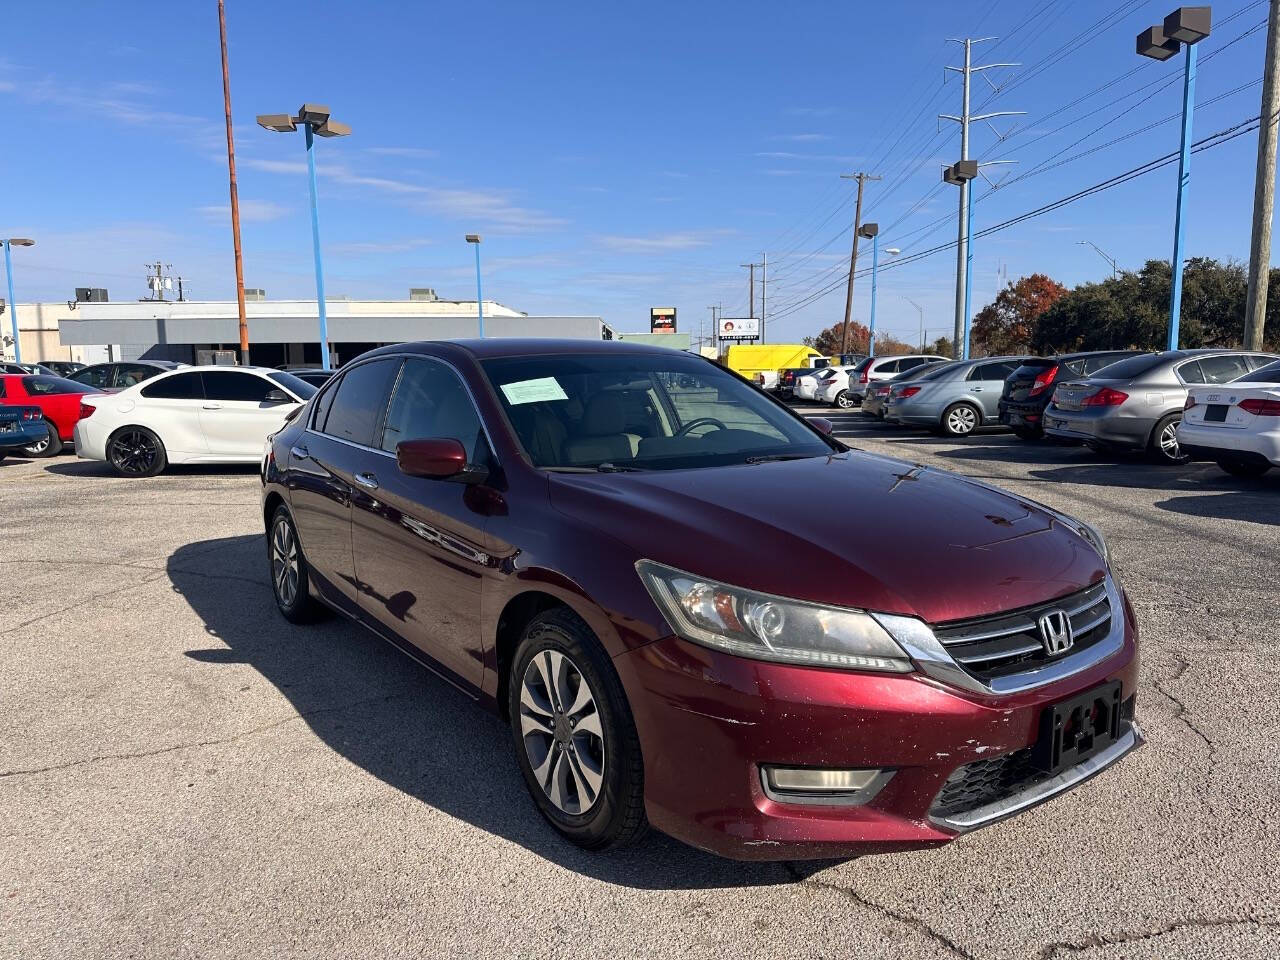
(771, 457)
(598, 468)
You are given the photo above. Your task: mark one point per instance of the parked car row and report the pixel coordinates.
(1170, 405)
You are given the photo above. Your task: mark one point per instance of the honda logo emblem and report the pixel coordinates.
(1055, 632)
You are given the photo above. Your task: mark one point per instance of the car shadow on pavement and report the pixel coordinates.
(394, 719)
(97, 468)
(1251, 501)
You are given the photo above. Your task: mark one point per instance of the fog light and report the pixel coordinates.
(819, 785)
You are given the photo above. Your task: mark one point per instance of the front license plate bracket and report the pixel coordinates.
(1076, 729)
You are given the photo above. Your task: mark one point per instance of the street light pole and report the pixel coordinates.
(1115, 268)
(474, 238)
(919, 310)
(315, 120)
(13, 304)
(1186, 26)
(871, 231)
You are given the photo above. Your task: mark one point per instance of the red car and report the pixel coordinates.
(584, 537)
(57, 398)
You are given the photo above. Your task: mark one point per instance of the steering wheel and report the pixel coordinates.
(701, 421)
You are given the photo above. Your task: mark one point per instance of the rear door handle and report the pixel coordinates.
(975, 389)
(212, 406)
(299, 453)
(367, 480)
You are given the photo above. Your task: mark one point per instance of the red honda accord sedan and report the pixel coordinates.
(585, 537)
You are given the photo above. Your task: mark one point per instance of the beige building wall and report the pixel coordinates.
(38, 333)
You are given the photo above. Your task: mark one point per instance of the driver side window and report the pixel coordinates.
(430, 401)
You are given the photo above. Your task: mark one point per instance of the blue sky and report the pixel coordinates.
(614, 156)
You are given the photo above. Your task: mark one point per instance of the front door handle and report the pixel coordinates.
(299, 453)
(975, 389)
(212, 406)
(367, 480)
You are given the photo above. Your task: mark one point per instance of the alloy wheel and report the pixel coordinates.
(133, 452)
(561, 732)
(843, 400)
(38, 448)
(284, 563)
(962, 420)
(1168, 441)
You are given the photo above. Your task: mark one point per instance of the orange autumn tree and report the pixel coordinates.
(1008, 325)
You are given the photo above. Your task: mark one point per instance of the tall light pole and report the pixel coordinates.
(13, 304)
(919, 310)
(871, 231)
(1186, 26)
(314, 120)
(1115, 267)
(235, 193)
(474, 238)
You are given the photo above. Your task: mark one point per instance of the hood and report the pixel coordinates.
(853, 530)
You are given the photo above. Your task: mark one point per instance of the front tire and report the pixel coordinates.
(960, 419)
(1244, 468)
(290, 575)
(575, 740)
(1163, 446)
(136, 452)
(50, 446)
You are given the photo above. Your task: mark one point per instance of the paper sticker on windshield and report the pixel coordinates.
(533, 391)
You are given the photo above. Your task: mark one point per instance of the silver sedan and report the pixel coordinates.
(955, 398)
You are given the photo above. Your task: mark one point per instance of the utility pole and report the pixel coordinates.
(964, 257)
(235, 193)
(181, 298)
(1264, 187)
(702, 341)
(862, 178)
(764, 280)
(751, 289)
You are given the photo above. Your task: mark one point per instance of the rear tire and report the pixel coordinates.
(136, 452)
(844, 401)
(290, 575)
(575, 740)
(1244, 468)
(1163, 444)
(50, 446)
(961, 419)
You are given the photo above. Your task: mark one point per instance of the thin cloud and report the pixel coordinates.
(669, 241)
(787, 155)
(390, 246)
(421, 153)
(803, 137)
(273, 166)
(251, 211)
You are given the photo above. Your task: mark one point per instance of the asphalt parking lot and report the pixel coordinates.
(182, 773)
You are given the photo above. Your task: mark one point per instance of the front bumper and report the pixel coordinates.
(1107, 425)
(708, 721)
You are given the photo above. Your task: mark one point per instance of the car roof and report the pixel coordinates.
(525, 347)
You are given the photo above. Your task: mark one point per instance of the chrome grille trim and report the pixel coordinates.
(935, 660)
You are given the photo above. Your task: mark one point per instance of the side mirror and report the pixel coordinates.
(278, 396)
(822, 425)
(439, 458)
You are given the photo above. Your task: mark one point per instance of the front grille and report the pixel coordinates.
(990, 647)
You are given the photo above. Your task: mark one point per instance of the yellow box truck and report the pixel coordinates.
(760, 363)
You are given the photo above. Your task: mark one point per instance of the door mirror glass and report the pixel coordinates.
(277, 396)
(822, 425)
(437, 457)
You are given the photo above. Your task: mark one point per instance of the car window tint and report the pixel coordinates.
(296, 385)
(322, 404)
(430, 401)
(886, 366)
(359, 401)
(1190, 372)
(1223, 369)
(1268, 374)
(1256, 360)
(96, 376)
(1080, 366)
(182, 386)
(129, 374)
(42, 386)
(235, 385)
(907, 363)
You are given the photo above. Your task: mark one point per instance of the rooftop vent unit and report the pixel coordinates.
(91, 295)
(256, 294)
(422, 294)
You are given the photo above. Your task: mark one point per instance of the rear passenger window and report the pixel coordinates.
(94, 376)
(430, 401)
(907, 363)
(232, 385)
(359, 400)
(181, 386)
(1190, 372)
(130, 374)
(1257, 360)
(889, 366)
(1223, 369)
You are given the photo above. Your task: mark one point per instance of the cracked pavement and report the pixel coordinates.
(182, 773)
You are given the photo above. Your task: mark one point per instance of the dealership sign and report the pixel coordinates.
(662, 319)
(739, 328)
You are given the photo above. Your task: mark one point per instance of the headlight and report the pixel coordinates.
(766, 627)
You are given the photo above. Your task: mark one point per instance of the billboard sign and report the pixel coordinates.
(739, 328)
(662, 319)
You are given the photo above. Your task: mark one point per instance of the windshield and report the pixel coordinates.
(642, 411)
(827, 373)
(295, 385)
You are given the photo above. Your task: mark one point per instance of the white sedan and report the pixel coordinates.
(192, 415)
(806, 386)
(1236, 424)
